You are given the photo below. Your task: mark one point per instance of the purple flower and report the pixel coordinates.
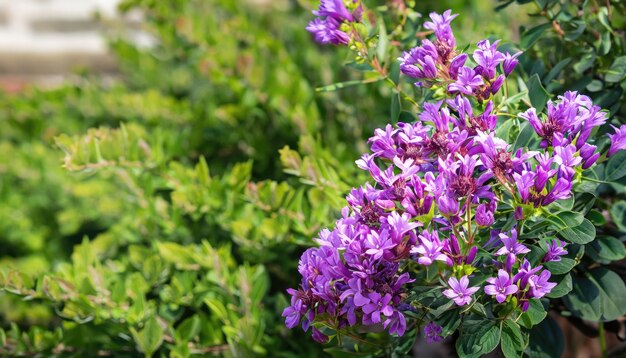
(589, 155)
(440, 24)
(459, 292)
(496, 85)
(467, 83)
(378, 244)
(326, 31)
(430, 248)
(334, 9)
(432, 332)
(511, 245)
(484, 214)
(488, 58)
(319, 337)
(420, 62)
(456, 64)
(375, 306)
(555, 251)
(510, 62)
(539, 285)
(294, 312)
(501, 286)
(524, 273)
(396, 324)
(618, 139)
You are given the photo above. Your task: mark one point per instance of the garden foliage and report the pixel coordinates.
(164, 212)
(459, 230)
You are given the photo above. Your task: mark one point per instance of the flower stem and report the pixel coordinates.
(602, 339)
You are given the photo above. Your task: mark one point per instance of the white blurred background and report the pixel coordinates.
(42, 41)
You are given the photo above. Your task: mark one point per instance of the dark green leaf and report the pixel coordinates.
(618, 214)
(616, 166)
(396, 107)
(580, 234)
(563, 288)
(449, 321)
(617, 71)
(478, 337)
(546, 340)
(535, 313)
(600, 295)
(556, 70)
(532, 35)
(560, 267)
(537, 94)
(606, 249)
(512, 341)
(596, 218)
(524, 137)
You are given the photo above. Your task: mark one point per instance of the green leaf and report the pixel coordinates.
(618, 214)
(585, 62)
(616, 166)
(524, 137)
(536, 313)
(606, 249)
(149, 339)
(537, 94)
(560, 267)
(531, 36)
(580, 234)
(565, 219)
(396, 107)
(516, 98)
(617, 71)
(188, 329)
(599, 296)
(546, 340)
(383, 42)
(556, 70)
(512, 341)
(449, 321)
(478, 337)
(563, 288)
(596, 218)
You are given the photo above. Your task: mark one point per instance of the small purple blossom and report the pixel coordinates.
(555, 251)
(467, 82)
(440, 25)
(432, 332)
(459, 292)
(539, 284)
(488, 58)
(510, 62)
(511, 245)
(429, 248)
(484, 214)
(501, 286)
(618, 140)
(326, 31)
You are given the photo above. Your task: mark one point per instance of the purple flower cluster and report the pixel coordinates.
(353, 277)
(440, 187)
(327, 27)
(439, 63)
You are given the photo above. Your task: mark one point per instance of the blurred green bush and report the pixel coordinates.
(172, 217)
(188, 190)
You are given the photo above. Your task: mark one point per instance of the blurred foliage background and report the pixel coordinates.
(164, 211)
